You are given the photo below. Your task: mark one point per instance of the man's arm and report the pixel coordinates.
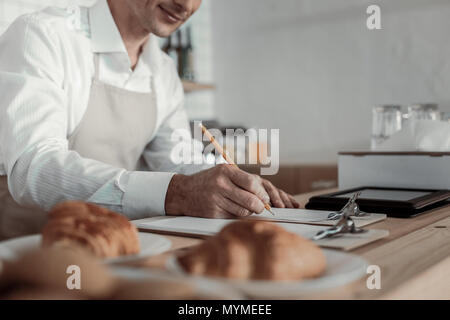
(33, 133)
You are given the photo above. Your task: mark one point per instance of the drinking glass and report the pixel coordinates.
(386, 120)
(424, 111)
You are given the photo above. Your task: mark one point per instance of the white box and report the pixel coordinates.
(426, 170)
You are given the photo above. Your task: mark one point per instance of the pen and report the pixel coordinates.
(230, 161)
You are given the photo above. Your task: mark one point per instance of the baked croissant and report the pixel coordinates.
(255, 250)
(99, 230)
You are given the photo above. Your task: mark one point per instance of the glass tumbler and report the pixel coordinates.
(424, 111)
(386, 120)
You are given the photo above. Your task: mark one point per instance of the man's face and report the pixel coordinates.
(163, 17)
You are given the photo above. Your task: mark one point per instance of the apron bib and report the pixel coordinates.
(115, 129)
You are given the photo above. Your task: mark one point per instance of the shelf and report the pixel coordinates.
(190, 86)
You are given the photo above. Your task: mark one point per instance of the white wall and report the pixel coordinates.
(200, 105)
(313, 69)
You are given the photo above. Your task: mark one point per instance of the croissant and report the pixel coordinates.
(99, 230)
(255, 250)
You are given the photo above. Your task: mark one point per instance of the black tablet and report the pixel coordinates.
(395, 202)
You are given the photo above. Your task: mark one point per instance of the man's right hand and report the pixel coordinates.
(220, 192)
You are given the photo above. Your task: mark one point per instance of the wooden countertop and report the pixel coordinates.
(414, 259)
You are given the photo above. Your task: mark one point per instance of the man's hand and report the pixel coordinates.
(278, 197)
(222, 192)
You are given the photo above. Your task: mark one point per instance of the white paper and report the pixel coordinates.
(202, 226)
(209, 227)
(190, 225)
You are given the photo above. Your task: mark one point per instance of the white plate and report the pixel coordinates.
(151, 244)
(203, 287)
(342, 268)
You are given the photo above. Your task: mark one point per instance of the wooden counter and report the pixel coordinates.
(414, 259)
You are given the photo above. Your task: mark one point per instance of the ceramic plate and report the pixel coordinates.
(151, 244)
(203, 287)
(342, 268)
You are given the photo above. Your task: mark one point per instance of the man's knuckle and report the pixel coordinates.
(242, 212)
(218, 180)
(248, 198)
(254, 184)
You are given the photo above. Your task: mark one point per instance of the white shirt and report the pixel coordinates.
(46, 70)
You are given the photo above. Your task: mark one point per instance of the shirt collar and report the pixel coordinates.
(106, 38)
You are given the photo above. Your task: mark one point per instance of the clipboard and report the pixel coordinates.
(203, 228)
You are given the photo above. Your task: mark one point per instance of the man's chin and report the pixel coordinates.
(163, 31)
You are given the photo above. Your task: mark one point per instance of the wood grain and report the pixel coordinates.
(430, 284)
(414, 259)
(408, 259)
(397, 227)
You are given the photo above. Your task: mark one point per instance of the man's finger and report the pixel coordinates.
(233, 208)
(251, 183)
(274, 194)
(286, 200)
(243, 198)
(223, 214)
(294, 202)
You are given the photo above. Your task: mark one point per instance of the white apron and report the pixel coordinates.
(115, 129)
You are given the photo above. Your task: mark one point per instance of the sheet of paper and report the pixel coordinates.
(208, 227)
(317, 217)
(185, 225)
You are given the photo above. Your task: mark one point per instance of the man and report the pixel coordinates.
(89, 103)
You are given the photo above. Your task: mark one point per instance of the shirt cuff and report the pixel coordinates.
(145, 193)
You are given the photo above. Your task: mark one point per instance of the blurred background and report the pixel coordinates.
(310, 68)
